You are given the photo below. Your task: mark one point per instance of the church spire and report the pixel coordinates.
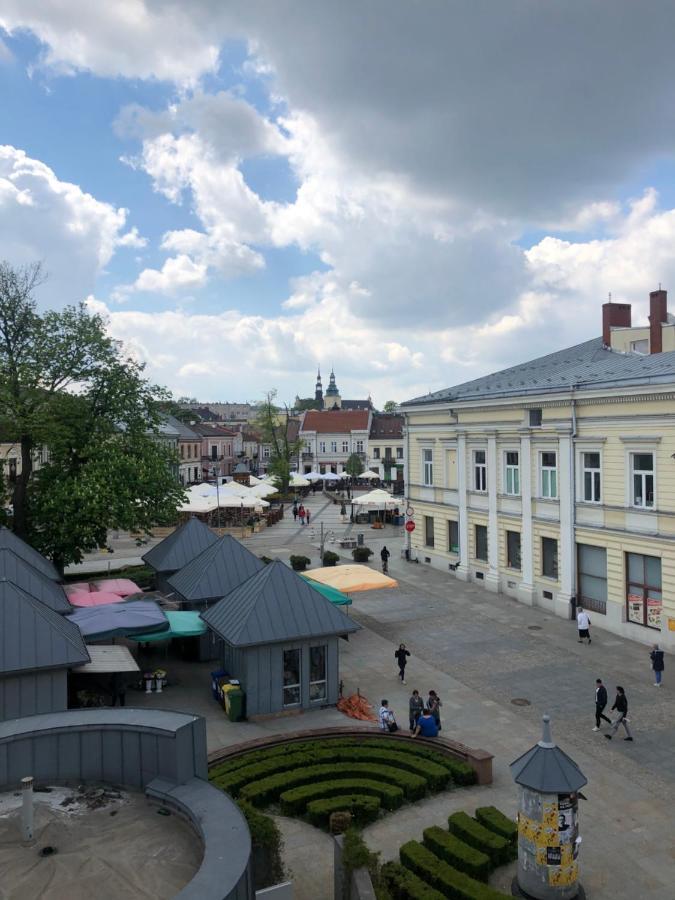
(318, 391)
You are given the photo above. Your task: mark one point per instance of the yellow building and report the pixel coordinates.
(554, 481)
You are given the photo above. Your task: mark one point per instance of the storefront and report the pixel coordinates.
(643, 590)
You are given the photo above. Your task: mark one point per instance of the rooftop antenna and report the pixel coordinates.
(610, 296)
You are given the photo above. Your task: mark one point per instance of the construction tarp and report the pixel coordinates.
(97, 623)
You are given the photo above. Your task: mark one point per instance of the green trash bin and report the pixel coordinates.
(235, 702)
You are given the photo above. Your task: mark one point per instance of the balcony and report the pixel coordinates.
(307, 455)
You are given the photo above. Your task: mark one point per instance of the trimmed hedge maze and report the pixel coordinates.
(361, 775)
(455, 863)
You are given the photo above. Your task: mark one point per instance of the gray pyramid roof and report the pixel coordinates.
(584, 366)
(25, 552)
(546, 768)
(275, 605)
(219, 569)
(33, 636)
(18, 572)
(180, 547)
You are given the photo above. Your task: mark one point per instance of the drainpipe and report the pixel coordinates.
(573, 493)
(408, 538)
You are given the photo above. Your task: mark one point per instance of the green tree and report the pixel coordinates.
(273, 423)
(67, 390)
(390, 406)
(304, 403)
(354, 466)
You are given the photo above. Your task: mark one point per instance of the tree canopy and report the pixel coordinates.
(354, 466)
(390, 406)
(273, 423)
(70, 394)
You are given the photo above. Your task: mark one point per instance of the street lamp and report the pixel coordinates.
(214, 472)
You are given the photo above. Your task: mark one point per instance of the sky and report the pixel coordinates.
(414, 193)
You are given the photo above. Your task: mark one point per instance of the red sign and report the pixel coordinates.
(410, 526)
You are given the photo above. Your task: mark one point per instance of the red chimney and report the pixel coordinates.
(658, 312)
(614, 315)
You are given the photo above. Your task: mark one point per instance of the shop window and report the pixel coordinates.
(549, 557)
(291, 688)
(643, 590)
(513, 550)
(453, 537)
(481, 536)
(592, 578)
(317, 672)
(479, 471)
(429, 531)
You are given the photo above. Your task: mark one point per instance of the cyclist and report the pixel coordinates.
(384, 556)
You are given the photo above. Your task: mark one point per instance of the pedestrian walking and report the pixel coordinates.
(295, 512)
(387, 717)
(416, 705)
(307, 515)
(600, 703)
(426, 725)
(301, 514)
(583, 625)
(402, 659)
(656, 657)
(434, 704)
(621, 707)
(384, 556)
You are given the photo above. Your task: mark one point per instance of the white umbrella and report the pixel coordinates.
(331, 476)
(377, 499)
(197, 504)
(253, 481)
(298, 481)
(369, 474)
(264, 490)
(313, 476)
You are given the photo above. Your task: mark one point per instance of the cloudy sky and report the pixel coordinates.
(414, 192)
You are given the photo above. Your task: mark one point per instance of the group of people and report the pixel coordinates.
(424, 717)
(299, 512)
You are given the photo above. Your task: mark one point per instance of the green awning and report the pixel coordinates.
(181, 624)
(330, 593)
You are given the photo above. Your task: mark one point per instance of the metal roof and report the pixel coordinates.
(108, 658)
(546, 768)
(585, 366)
(185, 432)
(9, 541)
(33, 636)
(276, 605)
(219, 569)
(180, 547)
(23, 575)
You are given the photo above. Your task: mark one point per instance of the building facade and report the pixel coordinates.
(189, 452)
(554, 481)
(386, 448)
(329, 437)
(217, 450)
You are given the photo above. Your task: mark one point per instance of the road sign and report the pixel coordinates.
(410, 511)
(410, 526)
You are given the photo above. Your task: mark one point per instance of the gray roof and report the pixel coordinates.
(219, 569)
(18, 572)
(275, 605)
(585, 366)
(9, 541)
(33, 636)
(546, 768)
(185, 433)
(180, 547)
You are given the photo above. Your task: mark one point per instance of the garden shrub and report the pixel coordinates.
(458, 854)
(362, 554)
(402, 884)
(268, 867)
(330, 558)
(295, 800)
(299, 563)
(363, 809)
(494, 819)
(476, 835)
(451, 883)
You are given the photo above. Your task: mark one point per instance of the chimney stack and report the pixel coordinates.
(658, 313)
(614, 315)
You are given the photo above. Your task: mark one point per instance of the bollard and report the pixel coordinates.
(27, 809)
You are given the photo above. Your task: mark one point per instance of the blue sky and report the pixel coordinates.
(246, 192)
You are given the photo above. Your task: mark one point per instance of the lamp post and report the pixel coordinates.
(214, 471)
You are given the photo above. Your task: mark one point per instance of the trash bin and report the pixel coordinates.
(360, 539)
(215, 687)
(234, 704)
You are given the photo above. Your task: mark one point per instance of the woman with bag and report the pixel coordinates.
(387, 718)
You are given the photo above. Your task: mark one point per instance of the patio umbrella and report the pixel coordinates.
(94, 598)
(330, 593)
(298, 481)
(264, 490)
(313, 476)
(377, 499)
(198, 504)
(123, 587)
(331, 476)
(253, 481)
(184, 623)
(350, 579)
(369, 474)
(119, 620)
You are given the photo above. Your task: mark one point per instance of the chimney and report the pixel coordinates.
(658, 313)
(614, 315)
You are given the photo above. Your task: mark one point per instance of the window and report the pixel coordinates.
(317, 672)
(428, 466)
(512, 473)
(345, 446)
(643, 590)
(387, 452)
(481, 534)
(266, 452)
(359, 446)
(182, 451)
(479, 471)
(429, 531)
(592, 578)
(197, 450)
(549, 475)
(453, 537)
(590, 469)
(535, 417)
(195, 476)
(291, 689)
(322, 446)
(214, 451)
(642, 470)
(376, 452)
(549, 557)
(333, 446)
(189, 450)
(399, 453)
(641, 347)
(513, 549)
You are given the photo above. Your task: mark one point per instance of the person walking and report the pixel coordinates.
(583, 625)
(434, 704)
(621, 706)
(307, 515)
(295, 512)
(384, 556)
(402, 659)
(426, 725)
(301, 514)
(416, 705)
(656, 657)
(387, 717)
(600, 703)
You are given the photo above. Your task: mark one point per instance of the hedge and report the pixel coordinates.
(295, 800)
(476, 835)
(451, 883)
(363, 809)
(402, 884)
(266, 790)
(456, 853)
(436, 776)
(495, 820)
(266, 838)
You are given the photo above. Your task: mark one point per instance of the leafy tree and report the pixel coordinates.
(68, 390)
(304, 403)
(354, 466)
(273, 423)
(390, 406)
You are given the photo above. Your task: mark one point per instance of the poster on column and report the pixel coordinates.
(567, 819)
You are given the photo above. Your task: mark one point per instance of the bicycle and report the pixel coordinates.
(385, 566)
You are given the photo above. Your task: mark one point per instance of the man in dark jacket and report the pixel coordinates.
(600, 703)
(621, 706)
(402, 658)
(656, 657)
(416, 707)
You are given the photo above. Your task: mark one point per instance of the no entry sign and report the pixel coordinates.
(410, 526)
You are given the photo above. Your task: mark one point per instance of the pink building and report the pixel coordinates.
(217, 450)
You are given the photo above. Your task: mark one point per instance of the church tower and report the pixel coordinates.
(318, 391)
(333, 399)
